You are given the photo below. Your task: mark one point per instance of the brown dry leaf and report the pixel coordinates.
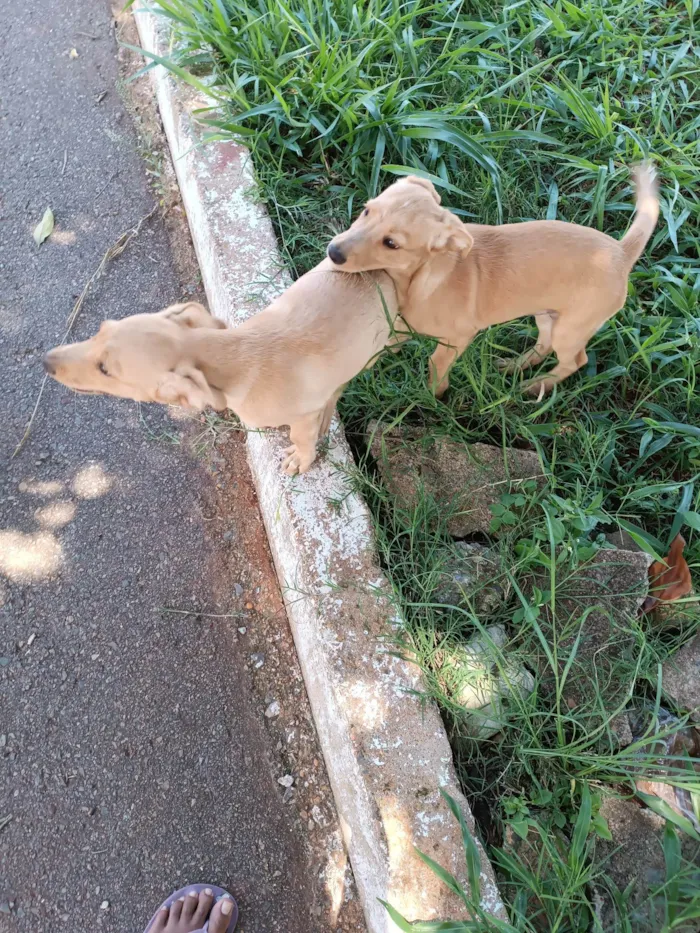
(669, 579)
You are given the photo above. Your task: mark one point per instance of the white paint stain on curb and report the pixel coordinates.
(386, 752)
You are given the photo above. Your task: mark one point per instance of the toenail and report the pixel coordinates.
(208, 891)
(226, 906)
(193, 894)
(181, 898)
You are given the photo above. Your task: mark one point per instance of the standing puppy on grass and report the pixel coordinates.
(454, 279)
(286, 365)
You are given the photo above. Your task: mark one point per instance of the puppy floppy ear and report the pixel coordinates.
(423, 183)
(187, 387)
(451, 233)
(191, 314)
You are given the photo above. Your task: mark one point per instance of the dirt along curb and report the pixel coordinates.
(386, 750)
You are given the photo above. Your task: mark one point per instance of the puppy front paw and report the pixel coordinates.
(296, 461)
(538, 387)
(508, 366)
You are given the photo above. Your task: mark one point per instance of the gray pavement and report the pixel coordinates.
(133, 757)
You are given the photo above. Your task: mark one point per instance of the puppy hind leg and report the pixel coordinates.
(569, 339)
(542, 349)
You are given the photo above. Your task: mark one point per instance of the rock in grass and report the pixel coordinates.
(622, 540)
(468, 478)
(681, 678)
(636, 854)
(621, 730)
(480, 677)
(469, 578)
(592, 621)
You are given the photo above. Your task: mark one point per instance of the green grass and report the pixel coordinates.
(519, 111)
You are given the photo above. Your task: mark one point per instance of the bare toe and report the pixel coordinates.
(176, 911)
(161, 921)
(206, 899)
(190, 906)
(221, 915)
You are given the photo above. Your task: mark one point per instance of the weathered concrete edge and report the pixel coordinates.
(385, 750)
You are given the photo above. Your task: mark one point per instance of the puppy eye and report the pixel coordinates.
(103, 369)
(365, 212)
(389, 243)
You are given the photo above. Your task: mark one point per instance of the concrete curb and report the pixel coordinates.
(385, 749)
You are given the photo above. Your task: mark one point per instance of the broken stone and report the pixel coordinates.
(597, 601)
(622, 540)
(621, 729)
(467, 579)
(681, 677)
(273, 710)
(671, 744)
(479, 685)
(469, 477)
(635, 853)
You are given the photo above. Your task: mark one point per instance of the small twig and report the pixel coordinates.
(204, 615)
(115, 250)
(4, 821)
(88, 35)
(65, 160)
(107, 184)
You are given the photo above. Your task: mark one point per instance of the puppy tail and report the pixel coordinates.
(634, 241)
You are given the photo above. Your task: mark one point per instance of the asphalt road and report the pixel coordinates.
(133, 757)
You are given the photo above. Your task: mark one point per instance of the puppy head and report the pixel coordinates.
(399, 230)
(145, 357)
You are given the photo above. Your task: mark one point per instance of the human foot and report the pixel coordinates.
(191, 910)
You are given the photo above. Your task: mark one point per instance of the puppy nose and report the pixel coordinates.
(335, 255)
(49, 366)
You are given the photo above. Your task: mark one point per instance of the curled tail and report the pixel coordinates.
(634, 241)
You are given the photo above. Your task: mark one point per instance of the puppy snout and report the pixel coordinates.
(49, 365)
(335, 254)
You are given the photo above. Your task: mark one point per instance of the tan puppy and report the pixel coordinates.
(286, 365)
(454, 279)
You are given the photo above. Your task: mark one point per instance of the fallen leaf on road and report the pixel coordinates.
(44, 228)
(73, 53)
(670, 578)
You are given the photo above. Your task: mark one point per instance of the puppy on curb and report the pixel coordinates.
(454, 279)
(286, 365)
